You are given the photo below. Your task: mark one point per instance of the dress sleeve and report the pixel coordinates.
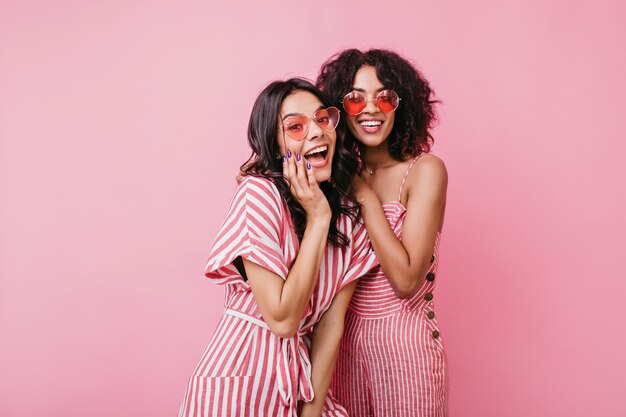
(363, 257)
(252, 230)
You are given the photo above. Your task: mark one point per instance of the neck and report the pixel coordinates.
(377, 157)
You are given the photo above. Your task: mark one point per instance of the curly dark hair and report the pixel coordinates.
(263, 162)
(416, 114)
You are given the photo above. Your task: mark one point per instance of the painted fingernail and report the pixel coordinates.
(288, 154)
(308, 165)
(284, 158)
(298, 157)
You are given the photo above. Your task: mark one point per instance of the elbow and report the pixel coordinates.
(403, 294)
(405, 286)
(280, 323)
(284, 329)
(405, 290)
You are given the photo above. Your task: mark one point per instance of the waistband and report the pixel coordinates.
(294, 366)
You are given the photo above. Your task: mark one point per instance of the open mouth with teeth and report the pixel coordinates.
(371, 126)
(317, 156)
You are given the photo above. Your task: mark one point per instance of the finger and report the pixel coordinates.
(285, 168)
(302, 175)
(311, 177)
(296, 189)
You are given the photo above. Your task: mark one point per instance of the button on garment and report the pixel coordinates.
(390, 362)
(247, 370)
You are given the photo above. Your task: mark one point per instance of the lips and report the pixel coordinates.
(318, 156)
(370, 125)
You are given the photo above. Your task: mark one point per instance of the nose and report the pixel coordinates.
(371, 106)
(314, 130)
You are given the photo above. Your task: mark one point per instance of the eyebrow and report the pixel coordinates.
(360, 90)
(300, 114)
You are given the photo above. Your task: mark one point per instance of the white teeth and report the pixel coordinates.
(371, 123)
(317, 150)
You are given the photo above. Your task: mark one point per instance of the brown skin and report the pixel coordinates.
(405, 261)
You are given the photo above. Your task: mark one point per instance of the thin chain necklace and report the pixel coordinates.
(372, 171)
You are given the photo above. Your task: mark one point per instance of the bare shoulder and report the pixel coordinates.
(430, 162)
(428, 169)
(428, 179)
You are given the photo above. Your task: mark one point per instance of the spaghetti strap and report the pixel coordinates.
(406, 174)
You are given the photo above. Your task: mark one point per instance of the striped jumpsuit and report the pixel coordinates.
(391, 358)
(246, 370)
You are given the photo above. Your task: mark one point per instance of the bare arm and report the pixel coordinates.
(406, 262)
(283, 302)
(325, 343)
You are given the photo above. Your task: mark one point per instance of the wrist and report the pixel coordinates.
(319, 220)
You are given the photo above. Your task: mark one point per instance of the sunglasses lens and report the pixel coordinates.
(387, 100)
(327, 119)
(354, 103)
(296, 127)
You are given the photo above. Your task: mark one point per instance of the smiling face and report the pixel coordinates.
(318, 147)
(372, 127)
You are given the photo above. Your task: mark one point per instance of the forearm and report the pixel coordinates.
(302, 278)
(325, 344)
(283, 301)
(404, 275)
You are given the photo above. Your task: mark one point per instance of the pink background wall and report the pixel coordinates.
(122, 125)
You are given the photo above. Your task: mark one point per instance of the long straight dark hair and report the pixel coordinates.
(265, 160)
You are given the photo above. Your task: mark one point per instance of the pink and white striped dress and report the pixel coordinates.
(246, 370)
(391, 358)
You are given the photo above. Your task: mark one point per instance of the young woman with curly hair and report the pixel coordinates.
(289, 252)
(392, 360)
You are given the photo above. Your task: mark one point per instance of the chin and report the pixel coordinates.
(371, 141)
(368, 140)
(323, 175)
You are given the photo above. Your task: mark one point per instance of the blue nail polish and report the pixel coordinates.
(288, 154)
(308, 165)
(298, 157)
(284, 158)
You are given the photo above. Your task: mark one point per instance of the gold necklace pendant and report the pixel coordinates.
(372, 171)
